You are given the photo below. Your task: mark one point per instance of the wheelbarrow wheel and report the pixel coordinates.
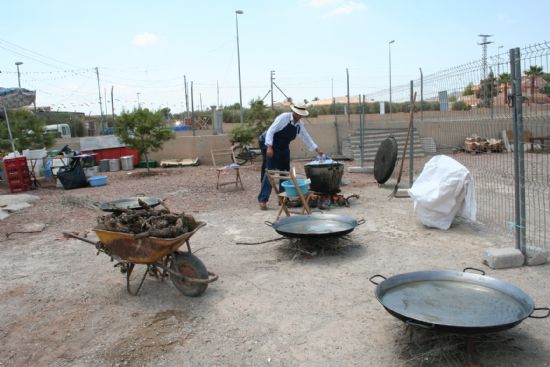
(190, 266)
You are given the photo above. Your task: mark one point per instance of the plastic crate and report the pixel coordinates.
(143, 164)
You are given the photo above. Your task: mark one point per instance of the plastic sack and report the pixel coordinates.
(48, 169)
(444, 190)
(72, 176)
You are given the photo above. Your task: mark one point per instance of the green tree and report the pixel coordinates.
(27, 132)
(469, 90)
(533, 73)
(487, 90)
(505, 78)
(546, 87)
(258, 118)
(143, 131)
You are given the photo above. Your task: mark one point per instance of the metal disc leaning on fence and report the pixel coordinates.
(385, 159)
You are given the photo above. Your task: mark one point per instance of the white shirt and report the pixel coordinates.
(280, 123)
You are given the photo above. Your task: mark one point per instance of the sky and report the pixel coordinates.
(145, 50)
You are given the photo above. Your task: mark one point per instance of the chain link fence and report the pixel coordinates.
(468, 112)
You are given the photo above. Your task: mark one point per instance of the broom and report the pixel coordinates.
(392, 194)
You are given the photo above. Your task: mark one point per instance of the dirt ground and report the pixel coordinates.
(61, 305)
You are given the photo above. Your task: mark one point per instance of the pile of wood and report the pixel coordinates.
(148, 222)
(477, 144)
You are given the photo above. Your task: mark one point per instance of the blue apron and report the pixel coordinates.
(281, 147)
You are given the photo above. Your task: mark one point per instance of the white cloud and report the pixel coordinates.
(347, 8)
(144, 39)
(337, 7)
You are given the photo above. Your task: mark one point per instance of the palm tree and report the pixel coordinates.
(533, 72)
(505, 78)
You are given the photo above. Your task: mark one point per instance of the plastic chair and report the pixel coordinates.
(284, 198)
(223, 160)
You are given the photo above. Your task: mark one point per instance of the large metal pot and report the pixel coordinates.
(325, 177)
(456, 302)
(315, 225)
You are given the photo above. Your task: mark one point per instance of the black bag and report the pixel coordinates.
(72, 176)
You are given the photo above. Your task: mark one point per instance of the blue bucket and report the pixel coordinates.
(290, 189)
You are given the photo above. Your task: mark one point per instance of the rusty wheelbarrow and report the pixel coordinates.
(161, 256)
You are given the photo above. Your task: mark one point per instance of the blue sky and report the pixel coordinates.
(147, 47)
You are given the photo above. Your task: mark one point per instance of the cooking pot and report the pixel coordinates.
(315, 225)
(457, 302)
(325, 177)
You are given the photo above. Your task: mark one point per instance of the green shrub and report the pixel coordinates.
(461, 106)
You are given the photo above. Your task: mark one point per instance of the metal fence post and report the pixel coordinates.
(519, 153)
(411, 146)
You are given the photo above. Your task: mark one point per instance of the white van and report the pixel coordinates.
(60, 130)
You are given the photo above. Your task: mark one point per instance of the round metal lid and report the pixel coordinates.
(385, 159)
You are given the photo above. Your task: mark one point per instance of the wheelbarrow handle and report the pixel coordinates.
(72, 235)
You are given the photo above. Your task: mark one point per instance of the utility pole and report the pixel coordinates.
(113, 103)
(18, 73)
(105, 98)
(421, 95)
(484, 44)
(100, 104)
(348, 113)
(272, 75)
(138, 100)
(186, 97)
(192, 111)
(200, 99)
(218, 93)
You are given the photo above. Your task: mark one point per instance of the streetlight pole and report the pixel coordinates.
(421, 95)
(498, 60)
(18, 74)
(237, 12)
(389, 53)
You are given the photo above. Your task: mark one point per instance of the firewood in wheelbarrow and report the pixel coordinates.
(188, 221)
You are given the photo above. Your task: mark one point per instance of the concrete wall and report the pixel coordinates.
(185, 145)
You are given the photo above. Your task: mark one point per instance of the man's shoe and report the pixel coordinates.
(263, 206)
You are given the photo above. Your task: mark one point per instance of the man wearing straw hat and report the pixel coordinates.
(276, 141)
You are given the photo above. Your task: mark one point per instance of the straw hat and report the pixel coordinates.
(299, 110)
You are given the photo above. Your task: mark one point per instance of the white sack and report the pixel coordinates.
(444, 189)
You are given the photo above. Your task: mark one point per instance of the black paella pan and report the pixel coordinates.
(457, 302)
(315, 225)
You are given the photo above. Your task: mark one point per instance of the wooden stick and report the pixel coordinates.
(411, 118)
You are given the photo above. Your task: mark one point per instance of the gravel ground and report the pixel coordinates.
(63, 306)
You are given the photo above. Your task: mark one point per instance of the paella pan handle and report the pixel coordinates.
(268, 223)
(475, 269)
(424, 326)
(539, 309)
(361, 221)
(376, 276)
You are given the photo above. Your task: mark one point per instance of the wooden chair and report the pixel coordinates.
(224, 161)
(284, 199)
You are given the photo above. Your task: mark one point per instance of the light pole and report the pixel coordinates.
(18, 74)
(237, 12)
(389, 53)
(498, 57)
(138, 99)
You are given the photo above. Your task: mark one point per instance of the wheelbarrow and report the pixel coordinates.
(161, 256)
